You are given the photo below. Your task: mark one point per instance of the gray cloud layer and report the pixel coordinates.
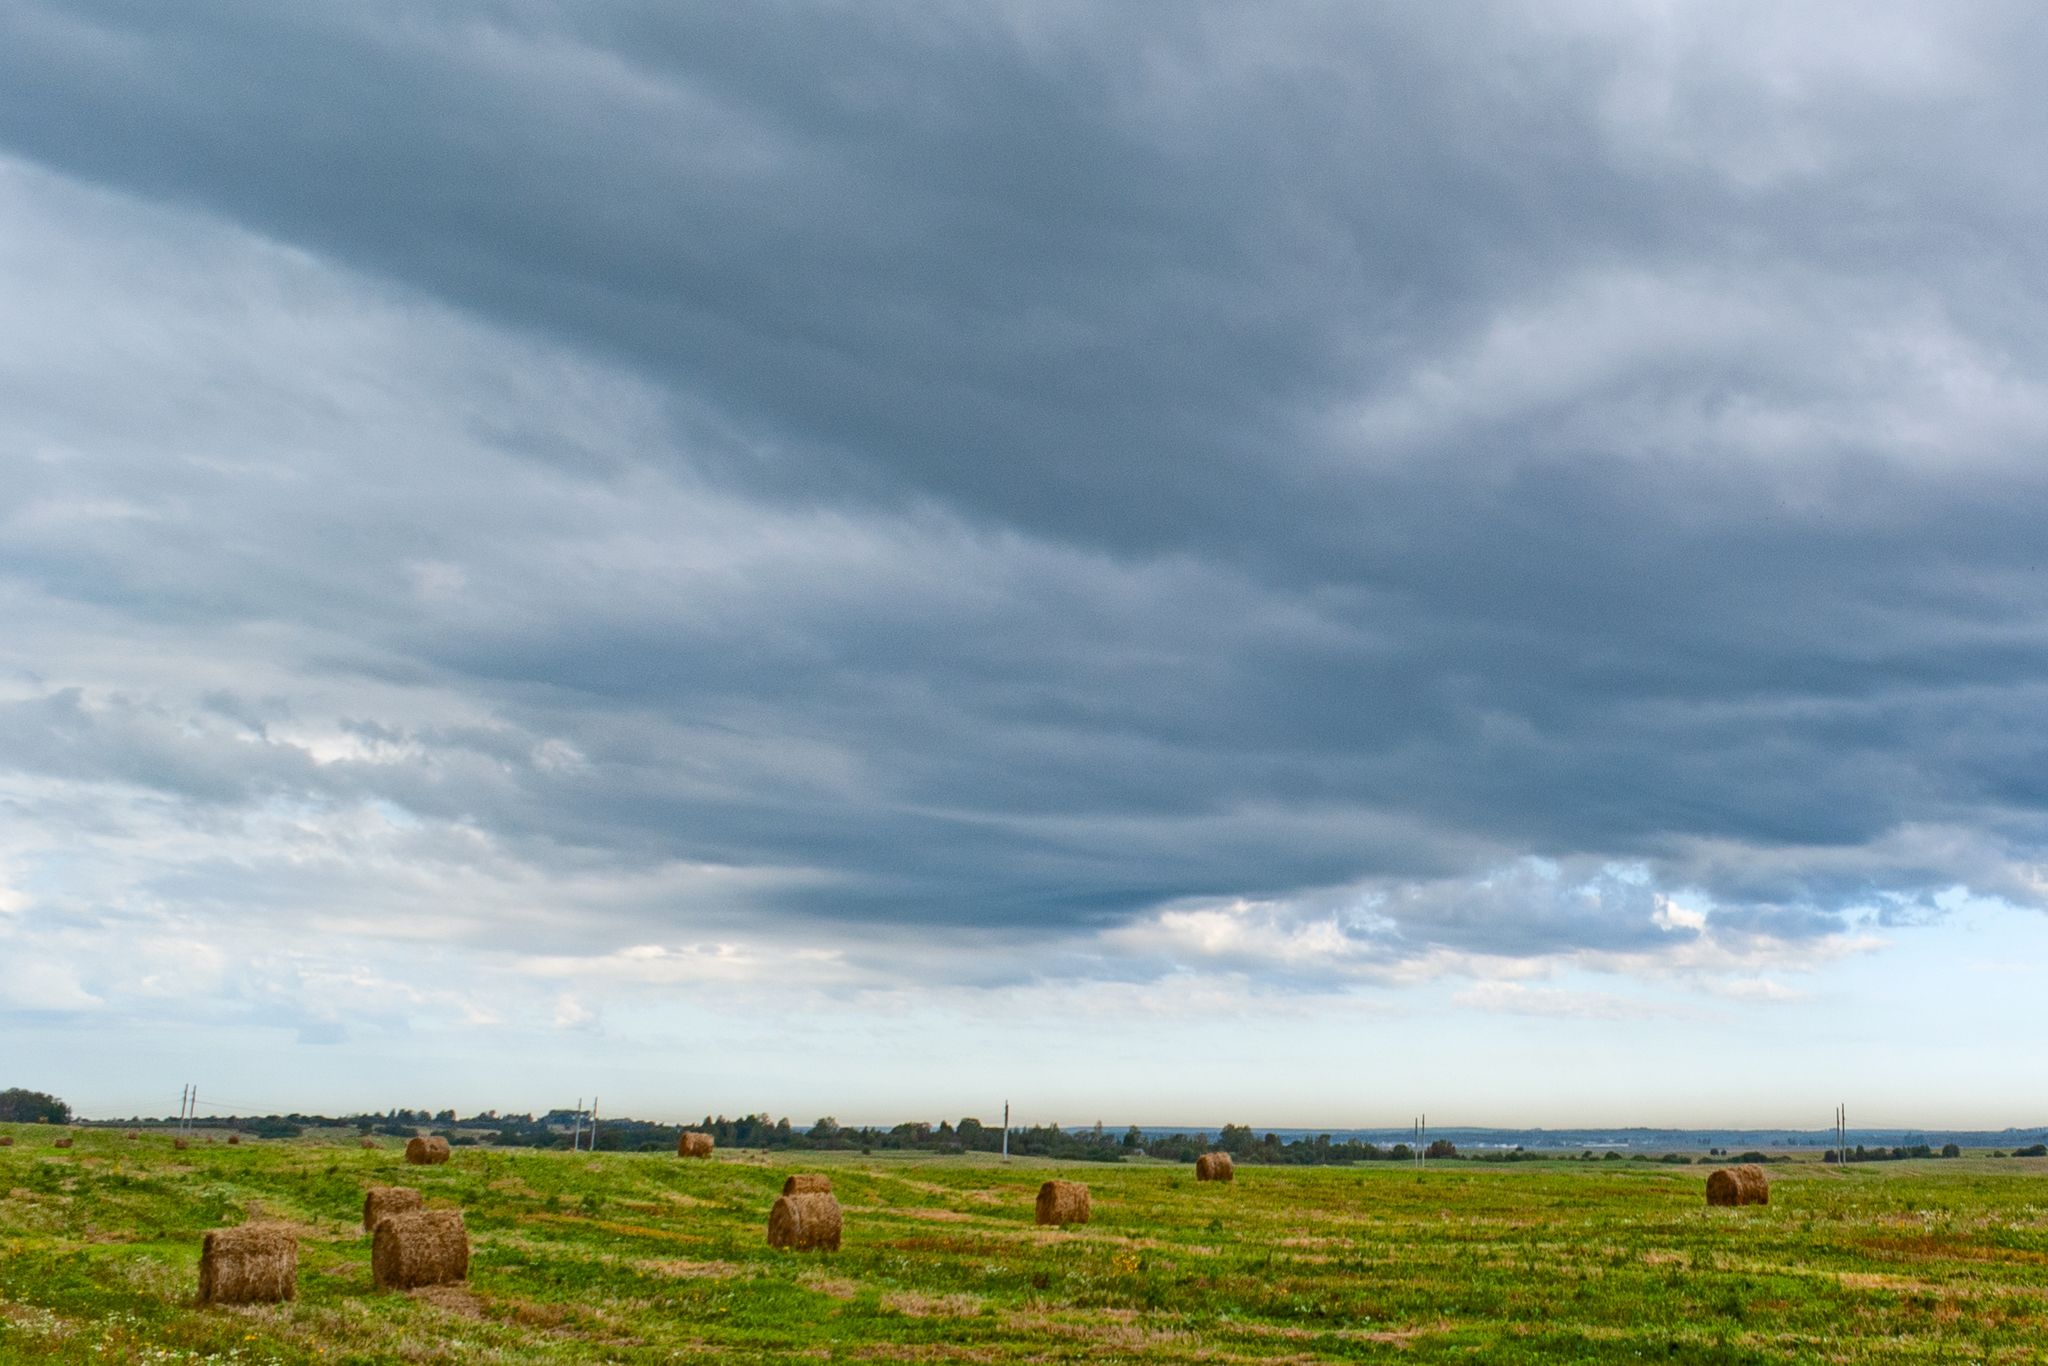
(1023, 467)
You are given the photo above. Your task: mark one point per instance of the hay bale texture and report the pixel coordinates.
(6, 1140)
(807, 1221)
(694, 1145)
(1063, 1202)
(253, 1264)
(1744, 1185)
(419, 1247)
(179, 1144)
(64, 1142)
(426, 1152)
(367, 1143)
(1214, 1167)
(808, 1183)
(384, 1201)
(234, 1138)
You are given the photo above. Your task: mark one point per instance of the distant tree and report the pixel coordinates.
(1951, 1150)
(32, 1107)
(1441, 1147)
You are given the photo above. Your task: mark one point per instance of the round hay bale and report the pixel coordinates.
(381, 1202)
(808, 1183)
(1744, 1185)
(1215, 1167)
(253, 1264)
(133, 1133)
(693, 1144)
(179, 1144)
(64, 1142)
(1063, 1202)
(420, 1247)
(805, 1222)
(426, 1152)
(6, 1140)
(367, 1143)
(234, 1138)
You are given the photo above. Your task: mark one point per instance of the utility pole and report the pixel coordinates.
(1006, 1131)
(576, 1128)
(593, 1121)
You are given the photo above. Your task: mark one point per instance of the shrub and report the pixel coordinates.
(18, 1106)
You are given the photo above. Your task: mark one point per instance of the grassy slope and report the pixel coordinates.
(631, 1257)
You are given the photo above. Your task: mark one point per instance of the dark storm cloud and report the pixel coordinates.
(1299, 446)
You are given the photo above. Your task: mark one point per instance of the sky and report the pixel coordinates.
(1289, 563)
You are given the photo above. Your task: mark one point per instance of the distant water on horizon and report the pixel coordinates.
(1632, 1140)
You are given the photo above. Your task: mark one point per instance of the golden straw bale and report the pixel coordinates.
(1063, 1202)
(806, 1222)
(134, 1133)
(420, 1247)
(693, 1145)
(253, 1264)
(384, 1201)
(1214, 1167)
(808, 1183)
(1744, 1185)
(64, 1142)
(179, 1144)
(234, 1138)
(367, 1143)
(426, 1152)
(6, 1140)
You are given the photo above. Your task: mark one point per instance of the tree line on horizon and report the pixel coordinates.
(561, 1128)
(558, 1129)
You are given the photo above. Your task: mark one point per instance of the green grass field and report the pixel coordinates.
(640, 1258)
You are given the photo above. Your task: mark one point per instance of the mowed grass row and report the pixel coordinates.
(644, 1257)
